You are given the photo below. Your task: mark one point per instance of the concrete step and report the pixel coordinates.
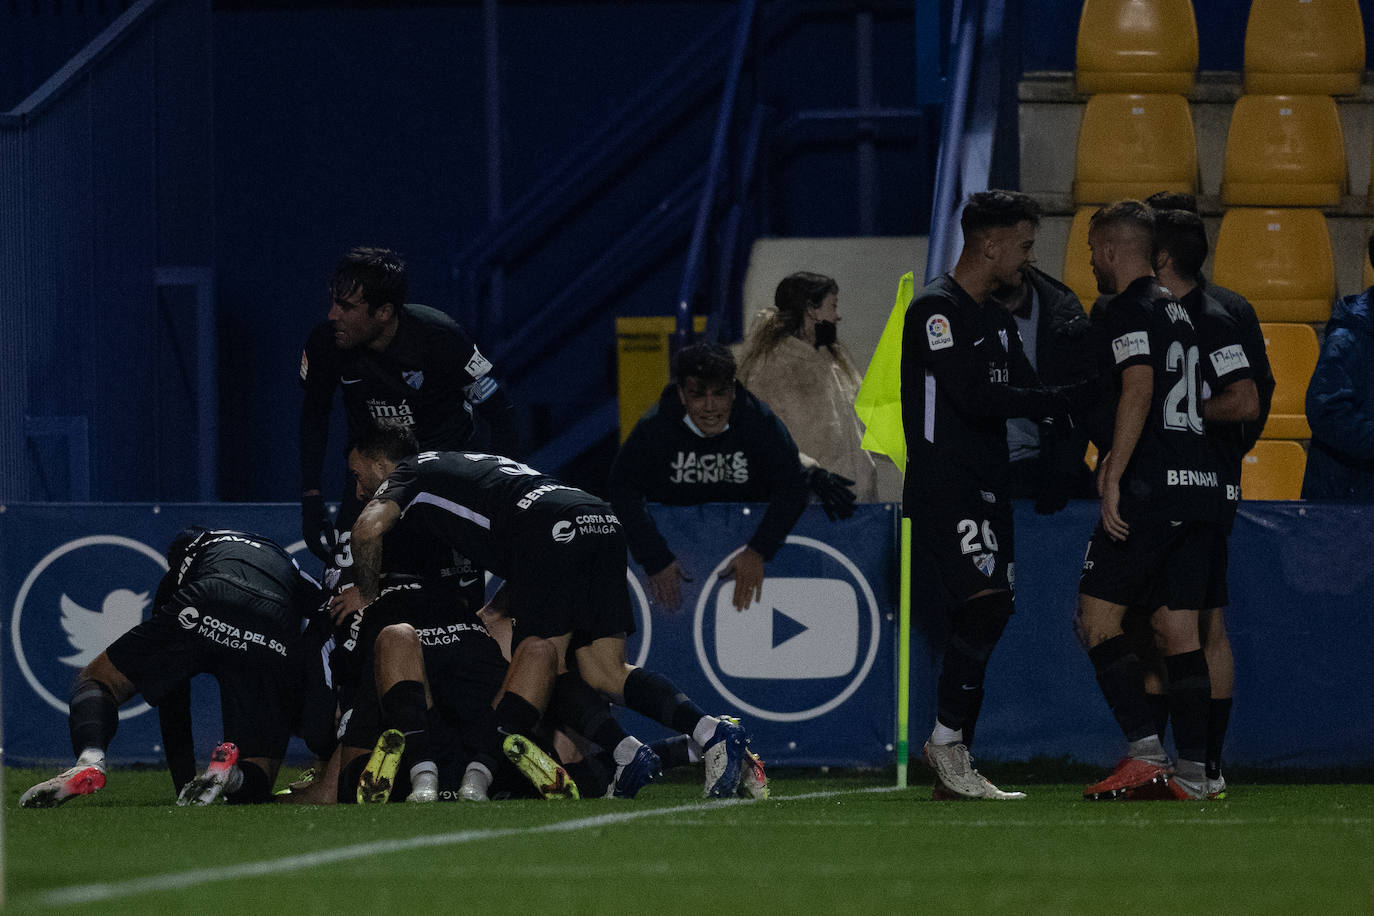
(1050, 112)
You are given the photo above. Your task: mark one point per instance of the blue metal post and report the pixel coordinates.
(708, 194)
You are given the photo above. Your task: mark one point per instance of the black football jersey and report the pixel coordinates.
(428, 379)
(1225, 362)
(1171, 476)
(964, 372)
(487, 507)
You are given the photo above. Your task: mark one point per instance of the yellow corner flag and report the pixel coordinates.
(879, 401)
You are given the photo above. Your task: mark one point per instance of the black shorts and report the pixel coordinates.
(1163, 565)
(971, 543)
(463, 665)
(1218, 594)
(570, 578)
(259, 684)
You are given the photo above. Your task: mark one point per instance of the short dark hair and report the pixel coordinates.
(1126, 214)
(392, 441)
(1182, 235)
(378, 273)
(1172, 200)
(709, 362)
(996, 210)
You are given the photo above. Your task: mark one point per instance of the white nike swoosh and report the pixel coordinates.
(350, 381)
(464, 583)
(979, 340)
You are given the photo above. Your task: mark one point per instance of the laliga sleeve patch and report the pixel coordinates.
(1136, 343)
(938, 333)
(478, 366)
(305, 366)
(1229, 359)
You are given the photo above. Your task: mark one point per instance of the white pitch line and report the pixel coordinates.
(95, 893)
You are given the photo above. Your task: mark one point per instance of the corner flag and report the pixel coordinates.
(879, 401)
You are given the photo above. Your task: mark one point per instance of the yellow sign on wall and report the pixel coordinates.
(642, 360)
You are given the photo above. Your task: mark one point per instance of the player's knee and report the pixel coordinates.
(398, 637)
(536, 652)
(980, 621)
(103, 672)
(1176, 632)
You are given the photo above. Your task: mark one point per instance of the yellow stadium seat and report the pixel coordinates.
(1136, 46)
(1273, 470)
(1305, 46)
(1078, 274)
(1284, 151)
(1292, 350)
(1278, 259)
(1133, 146)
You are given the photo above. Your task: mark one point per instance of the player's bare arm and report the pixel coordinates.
(1137, 391)
(1237, 403)
(377, 518)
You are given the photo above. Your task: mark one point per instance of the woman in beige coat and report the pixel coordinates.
(790, 358)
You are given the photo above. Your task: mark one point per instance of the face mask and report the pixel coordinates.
(825, 334)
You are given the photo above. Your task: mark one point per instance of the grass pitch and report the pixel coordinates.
(824, 844)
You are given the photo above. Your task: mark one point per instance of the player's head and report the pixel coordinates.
(181, 545)
(374, 454)
(1181, 243)
(802, 294)
(1121, 237)
(999, 234)
(1172, 200)
(366, 293)
(705, 376)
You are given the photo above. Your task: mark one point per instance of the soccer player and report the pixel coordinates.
(963, 374)
(1153, 545)
(562, 555)
(230, 605)
(394, 363)
(1236, 375)
(1232, 439)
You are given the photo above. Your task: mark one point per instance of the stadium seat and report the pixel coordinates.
(1273, 470)
(1292, 351)
(1078, 274)
(1136, 46)
(1133, 146)
(1280, 260)
(1284, 151)
(1304, 46)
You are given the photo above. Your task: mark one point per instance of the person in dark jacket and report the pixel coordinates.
(707, 440)
(1047, 458)
(1340, 405)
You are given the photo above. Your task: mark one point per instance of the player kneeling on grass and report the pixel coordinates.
(231, 606)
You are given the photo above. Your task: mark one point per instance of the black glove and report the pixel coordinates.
(317, 529)
(836, 498)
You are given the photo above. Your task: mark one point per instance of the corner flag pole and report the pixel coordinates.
(904, 655)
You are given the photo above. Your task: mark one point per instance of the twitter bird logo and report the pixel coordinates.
(90, 632)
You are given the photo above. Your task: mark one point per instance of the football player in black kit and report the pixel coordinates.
(1239, 385)
(963, 374)
(1153, 546)
(1232, 440)
(230, 605)
(561, 554)
(396, 364)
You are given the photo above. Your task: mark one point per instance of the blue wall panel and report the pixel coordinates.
(811, 669)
